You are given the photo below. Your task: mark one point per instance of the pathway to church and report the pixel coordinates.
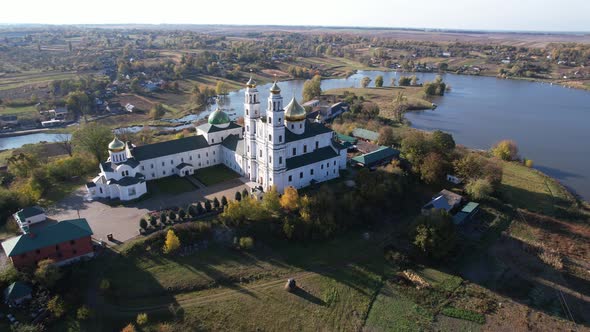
(123, 221)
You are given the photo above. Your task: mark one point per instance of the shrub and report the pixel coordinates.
(163, 217)
(143, 224)
(238, 196)
(172, 242)
(464, 314)
(479, 189)
(47, 273)
(172, 216)
(56, 306)
(246, 242)
(181, 214)
(83, 313)
(245, 193)
(223, 201)
(142, 319)
(192, 211)
(208, 206)
(528, 163)
(434, 234)
(105, 285)
(153, 220)
(216, 203)
(505, 150)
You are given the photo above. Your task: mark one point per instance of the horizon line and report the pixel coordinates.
(423, 29)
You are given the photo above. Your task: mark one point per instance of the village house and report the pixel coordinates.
(17, 293)
(64, 242)
(444, 200)
(281, 148)
(29, 216)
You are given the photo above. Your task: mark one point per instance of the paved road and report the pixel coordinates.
(123, 221)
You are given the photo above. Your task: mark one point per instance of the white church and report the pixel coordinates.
(281, 148)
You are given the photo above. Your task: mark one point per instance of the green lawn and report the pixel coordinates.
(529, 189)
(215, 174)
(170, 185)
(393, 311)
(21, 111)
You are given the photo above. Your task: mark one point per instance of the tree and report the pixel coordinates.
(271, 201)
(479, 189)
(386, 136)
(83, 313)
(223, 201)
(220, 88)
(312, 88)
(181, 214)
(365, 81)
(245, 193)
(172, 242)
(47, 273)
(64, 141)
(392, 81)
(200, 209)
(415, 147)
(192, 211)
(157, 111)
(94, 139)
(400, 106)
(290, 199)
(246, 242)
(142, 223)
(171, 216)
(444, 142)
(216, 203)
(414, 80)
(505, 150)
(238, 196)
(433, 168)
(142, 319)
(434, 234)
(404, 81)
(208, 206)
(56, 306)
(379, 81)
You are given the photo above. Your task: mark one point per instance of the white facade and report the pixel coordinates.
(279, 149)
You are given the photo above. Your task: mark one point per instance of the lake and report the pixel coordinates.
(18, 141)
(548, 122)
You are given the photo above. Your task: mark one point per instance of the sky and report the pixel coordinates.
(511, 15)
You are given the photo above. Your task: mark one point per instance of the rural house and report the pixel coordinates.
(64, 242)
(29, 216)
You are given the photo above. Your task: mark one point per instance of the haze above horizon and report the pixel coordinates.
(498, 15)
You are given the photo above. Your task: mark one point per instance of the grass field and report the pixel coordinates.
(336, 67)
(170, 185)
(27, 112)
(384, 97)
(215, 174)
(24, 79)
(528, 189)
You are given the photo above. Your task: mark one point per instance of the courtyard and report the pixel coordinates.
(122, 221)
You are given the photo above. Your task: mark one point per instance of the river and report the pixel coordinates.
(548, 122)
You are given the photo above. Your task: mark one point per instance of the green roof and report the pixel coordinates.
(47, 236)
(310, 158)
(218, 117)
(376, 156)
(16, 290)
(29, 212)
(346, 138)
(167, 148)
(365, 134)
(470, 207)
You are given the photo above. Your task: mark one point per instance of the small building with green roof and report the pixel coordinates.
(466, 213)
(17, 293)
(381, 156)
(29, 216)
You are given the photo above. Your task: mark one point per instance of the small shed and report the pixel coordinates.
(17, 293)
(467, 213)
